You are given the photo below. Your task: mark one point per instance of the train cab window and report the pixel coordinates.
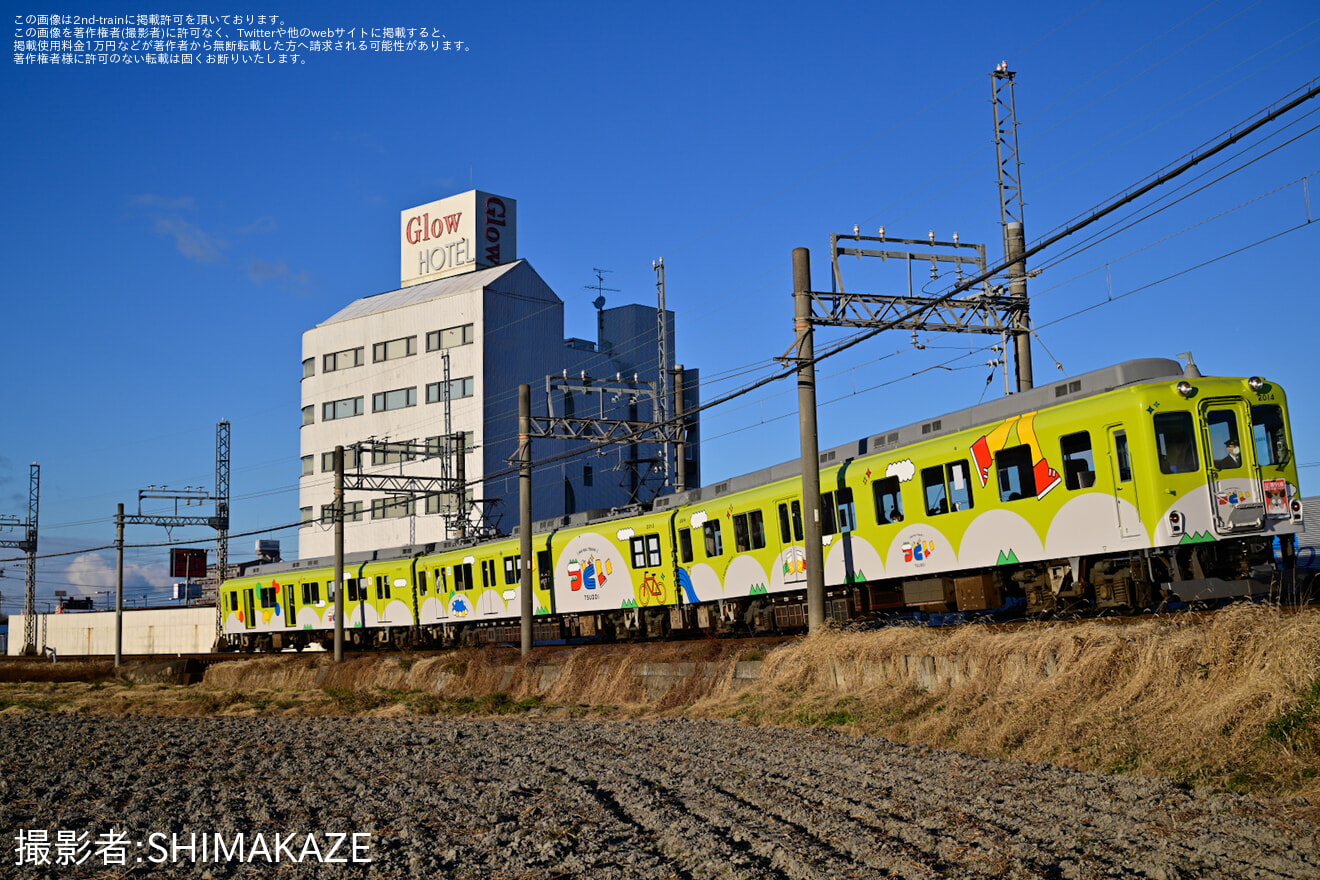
(1267, 434)
(888, 500)
(1017, 478)
(1078, 461)
(684, 545)
(512, 570)
(786, 536)
(714, 540)
(1175, 440)
(1225, 447)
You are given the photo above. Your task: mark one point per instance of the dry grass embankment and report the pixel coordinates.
(1231, 699)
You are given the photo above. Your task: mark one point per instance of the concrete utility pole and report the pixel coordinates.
(806, 380)
(339, 554)
(680, 447)
(119, 586)
(525, 511)
(1011, 216)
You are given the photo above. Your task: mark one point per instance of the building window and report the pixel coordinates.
(393, 453)
(458, 388)
(309, 367)
(328, 460)
(443, 445)
(352, 513)
(587, 476)
(400, 398)
(308, 467)
(341, 360)
(451, 337)
(395, 348)
(306, 513)
(391, 508)
(309, 415)
(444, 503)
(341, 409)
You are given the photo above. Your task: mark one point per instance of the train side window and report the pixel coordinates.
(1017, 480)
(828, 524)
(1078, 461)
(1267, 432)
(311, 593)
(463, 579)
(1175, 440)
(653, 550)
(685, 545)
(960, 484)
(742, 541)
(846, 509)
(714, 541)
(756, 524)
(934, 490)
(888, 500)
(545, 563)
(638, 551)
(355, 593)
(421, 582)
(512, 570)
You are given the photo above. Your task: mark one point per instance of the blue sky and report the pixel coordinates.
(170, 231)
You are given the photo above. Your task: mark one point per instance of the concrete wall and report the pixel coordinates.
(146, 631)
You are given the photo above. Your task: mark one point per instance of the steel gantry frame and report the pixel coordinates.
(27, 544)
(219, 520)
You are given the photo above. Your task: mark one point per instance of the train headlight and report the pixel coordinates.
(1186, 389)
(1175, 523)
(1255, 383)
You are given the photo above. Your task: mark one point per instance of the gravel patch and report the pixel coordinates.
(641, 799)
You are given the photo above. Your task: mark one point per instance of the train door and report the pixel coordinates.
(249, 609)
(792, 554)
(290, 615)
(1125, 488)
(1236, 499)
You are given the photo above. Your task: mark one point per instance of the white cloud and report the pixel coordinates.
(91, 573)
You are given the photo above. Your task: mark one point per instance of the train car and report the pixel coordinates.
(1124, 487)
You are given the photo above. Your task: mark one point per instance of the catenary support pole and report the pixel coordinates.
(806, 379)
(119, 586)
(339, 554)
(1015, 239)
(680, 448)
(525, 510)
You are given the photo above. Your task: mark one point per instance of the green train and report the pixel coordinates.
(1124, 487)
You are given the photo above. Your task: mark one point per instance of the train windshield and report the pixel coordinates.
(1175, 438)
(1267, 432)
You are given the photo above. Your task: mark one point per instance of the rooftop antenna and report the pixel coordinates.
(599, 303)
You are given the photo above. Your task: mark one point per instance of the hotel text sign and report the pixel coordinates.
(463, 233)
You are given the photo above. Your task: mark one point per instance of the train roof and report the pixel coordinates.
(1073, 388)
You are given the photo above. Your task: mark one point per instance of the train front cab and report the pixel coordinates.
(1224, 487)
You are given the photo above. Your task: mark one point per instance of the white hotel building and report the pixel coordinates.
(376, 370)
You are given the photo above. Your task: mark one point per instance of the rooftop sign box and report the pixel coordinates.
(463, 233)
